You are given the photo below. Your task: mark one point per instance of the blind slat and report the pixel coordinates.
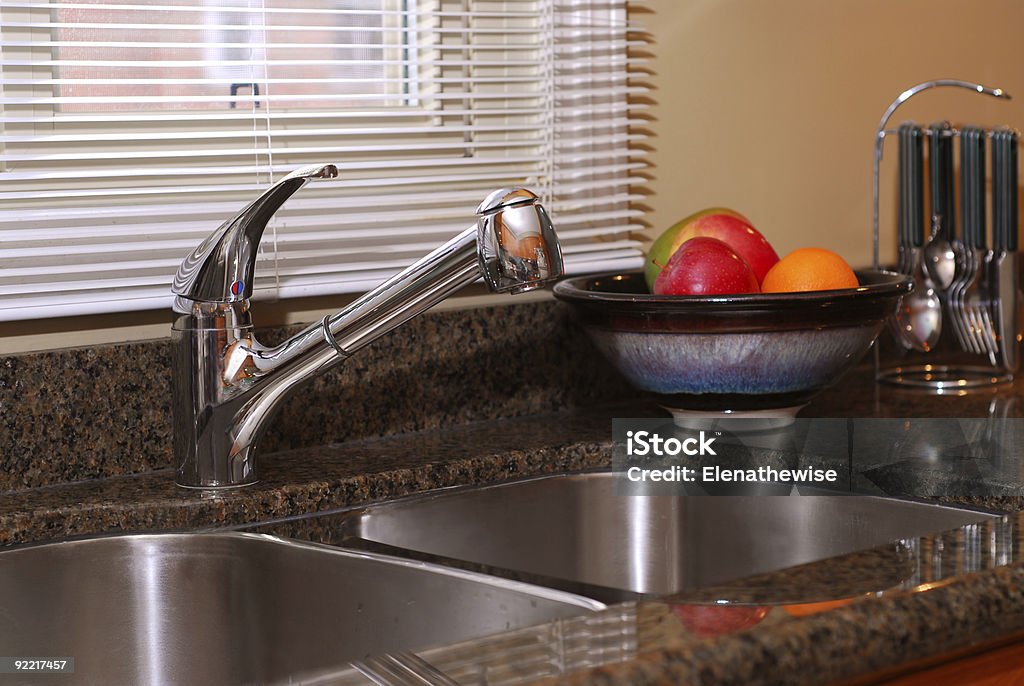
(348, 132)
(370, 114)
(46, 225)
(269, 11)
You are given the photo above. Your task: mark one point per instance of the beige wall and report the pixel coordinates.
(769, 106)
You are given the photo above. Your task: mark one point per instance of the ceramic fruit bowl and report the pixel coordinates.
(750, 355)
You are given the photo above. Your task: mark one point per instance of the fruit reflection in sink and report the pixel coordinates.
(243, 608)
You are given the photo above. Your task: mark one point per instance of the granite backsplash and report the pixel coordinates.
(87, 413)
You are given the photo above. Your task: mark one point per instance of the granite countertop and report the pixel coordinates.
(638, 642)
(887, 615)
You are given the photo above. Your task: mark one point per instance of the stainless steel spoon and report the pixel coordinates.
(920, 315)
(919, 318)
(940, 258)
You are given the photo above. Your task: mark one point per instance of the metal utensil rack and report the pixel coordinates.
(980, 349)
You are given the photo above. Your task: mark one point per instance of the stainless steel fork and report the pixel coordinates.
(964, 274)
(974, 296)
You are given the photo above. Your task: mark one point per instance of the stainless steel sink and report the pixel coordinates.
(242, 608)
(575, 528)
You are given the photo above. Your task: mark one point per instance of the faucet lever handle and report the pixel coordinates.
(221, 269)
(516, 242)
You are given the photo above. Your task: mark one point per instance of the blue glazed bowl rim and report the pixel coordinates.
(877, 284)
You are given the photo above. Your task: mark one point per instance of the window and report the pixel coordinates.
(130, 130)
(199, 54)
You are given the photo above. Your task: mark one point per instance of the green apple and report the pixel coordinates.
(728, 226)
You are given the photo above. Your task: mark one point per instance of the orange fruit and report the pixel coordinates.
(809, 269)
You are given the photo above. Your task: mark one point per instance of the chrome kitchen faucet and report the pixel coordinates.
(227, 385)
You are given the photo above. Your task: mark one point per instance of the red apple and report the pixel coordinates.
(726, 225)
(705, 266)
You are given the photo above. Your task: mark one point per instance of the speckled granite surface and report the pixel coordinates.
(946, 594)
(854, 640)
(72, 415)
(316, 479)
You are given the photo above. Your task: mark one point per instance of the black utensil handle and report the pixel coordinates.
(1012, 225)
(1004, 190)
(972, 186)
(935, 168)
(942, 182)
(903, 186)
(916, 223)
(998, 234)
(966, 199)
(981, 209)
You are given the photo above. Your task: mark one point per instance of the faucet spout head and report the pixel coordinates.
(516, 242)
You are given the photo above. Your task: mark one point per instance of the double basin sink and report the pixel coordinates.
(438, 568)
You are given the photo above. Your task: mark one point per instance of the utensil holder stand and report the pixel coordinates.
(952, 363)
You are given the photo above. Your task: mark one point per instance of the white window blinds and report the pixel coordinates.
(130, 130)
